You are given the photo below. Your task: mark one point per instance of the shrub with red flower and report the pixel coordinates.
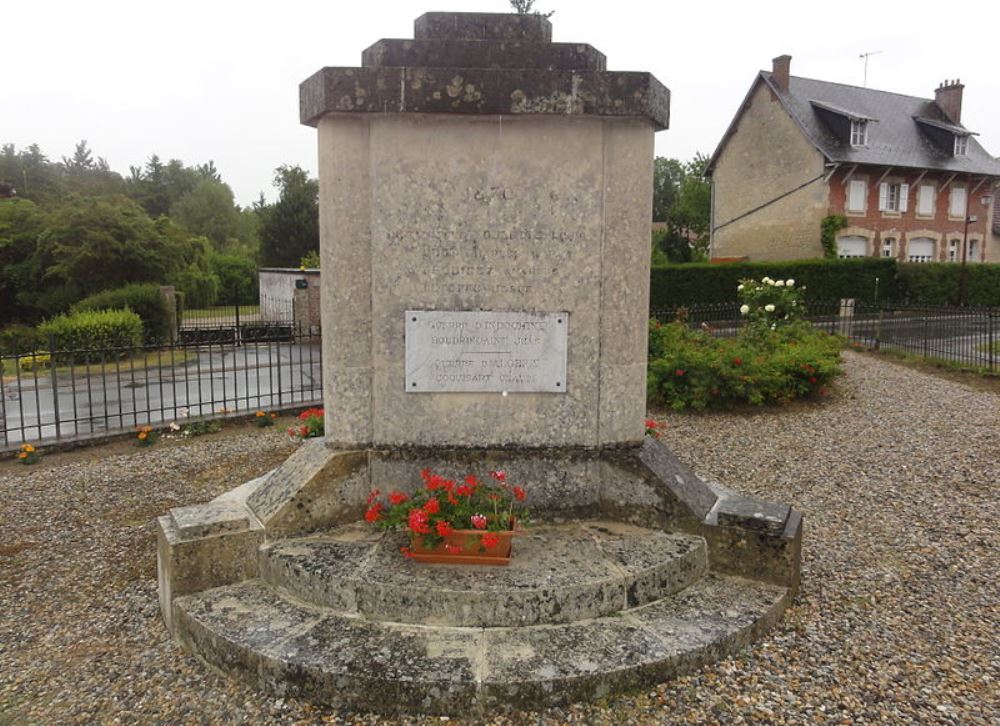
(653, 428)
(442, 507)
(310, 425)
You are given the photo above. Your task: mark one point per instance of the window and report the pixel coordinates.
(953, 251)
(857, 190)
(925, 200)
(888, 246)
(852, 247)
(859, 133)
(921, 249)
(973, 250)
(956, 206)
(961, 145)
(892, 197)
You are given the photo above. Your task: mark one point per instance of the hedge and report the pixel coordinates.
(938, 283)
(673, 285)
(119, 330)
(827, 280)
(15, 339)
(144, 300)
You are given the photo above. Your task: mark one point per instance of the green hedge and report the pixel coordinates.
(144, 300)
(673, 285)
(16, 339)
(119, 330)
(938, 283)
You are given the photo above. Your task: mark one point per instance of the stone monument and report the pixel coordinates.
(485, 206)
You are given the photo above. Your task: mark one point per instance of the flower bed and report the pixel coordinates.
(777, 357)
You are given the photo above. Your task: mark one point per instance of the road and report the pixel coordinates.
(245, 378)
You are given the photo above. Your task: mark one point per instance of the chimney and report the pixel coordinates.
(781, 67)
(948, 97)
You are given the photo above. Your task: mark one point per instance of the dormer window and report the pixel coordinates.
(961, 145)
(859, 133)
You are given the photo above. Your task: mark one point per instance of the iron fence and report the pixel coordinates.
(267, 320)
(963, 335)
(56, 395)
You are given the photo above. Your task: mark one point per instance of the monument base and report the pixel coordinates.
(637, 570)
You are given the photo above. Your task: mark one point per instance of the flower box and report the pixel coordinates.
(465, 547)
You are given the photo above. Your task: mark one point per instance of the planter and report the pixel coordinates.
(472, 550)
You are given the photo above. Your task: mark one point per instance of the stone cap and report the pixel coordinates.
(488, 64)
(482, 26)
(450, 53)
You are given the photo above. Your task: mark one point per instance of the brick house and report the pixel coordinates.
(911, 180)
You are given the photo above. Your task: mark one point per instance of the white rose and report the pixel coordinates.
(769, 308)
(779, 283)
(744, 309)
(739, 287)
(766, 280)
(789, 283)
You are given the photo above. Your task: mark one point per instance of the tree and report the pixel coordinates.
(682, 199)
(208, 210)
(83, 158)
(21, 221)
(524, 7)
(289, 228)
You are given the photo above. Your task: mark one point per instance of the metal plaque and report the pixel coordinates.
(485, 351)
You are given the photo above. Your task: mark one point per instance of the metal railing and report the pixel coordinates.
(963, 335)
(56, 395)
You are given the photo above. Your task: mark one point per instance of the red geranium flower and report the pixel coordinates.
(374, 513)
(418, 521)
(499, 475)
(373, 495)
(651, 423)
(737, 361)
(490, 539)
(478, 521)
(472, 481)
(812, 379)
(443, 528)
(433, 506)
(464, 491)
(519, 494)
(406, 551)
(679, 372)
(397, 498)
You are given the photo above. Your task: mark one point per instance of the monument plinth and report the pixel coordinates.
(485, 206)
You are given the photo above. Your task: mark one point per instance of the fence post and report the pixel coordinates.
(991, 353)
(55, 384)
(237, 298)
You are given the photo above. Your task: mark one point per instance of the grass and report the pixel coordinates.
(146, 360)
(221, 311)
(985, 348)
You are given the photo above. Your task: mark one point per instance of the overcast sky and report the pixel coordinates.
(219, 80)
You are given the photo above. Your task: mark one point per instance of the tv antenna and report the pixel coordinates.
(865, 57)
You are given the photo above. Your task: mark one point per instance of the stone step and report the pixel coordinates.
(559, 574)
(287, 648)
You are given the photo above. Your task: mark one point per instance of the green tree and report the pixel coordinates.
(208, 210)
(21, 222)
(667, 177)
(682, 200)
(524, 7)
(289, 228)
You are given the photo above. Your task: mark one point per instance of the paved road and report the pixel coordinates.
(246, 378)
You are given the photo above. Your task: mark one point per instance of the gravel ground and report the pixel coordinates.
(897, 621)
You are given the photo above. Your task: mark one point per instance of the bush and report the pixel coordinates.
(237, 279)
(691, 369)
(770, 304)
(200, 286)
(939, 283)
(677, 285)
(144, 300)
(16, 339)
(119, 330)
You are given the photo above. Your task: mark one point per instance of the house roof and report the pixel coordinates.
(896, 140)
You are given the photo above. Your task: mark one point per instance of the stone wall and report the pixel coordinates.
(767, 156)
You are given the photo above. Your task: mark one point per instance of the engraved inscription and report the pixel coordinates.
(481, 351)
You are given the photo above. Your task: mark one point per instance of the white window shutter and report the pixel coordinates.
(904, 195)
(883, 196)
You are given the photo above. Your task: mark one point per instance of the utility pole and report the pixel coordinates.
(865, 56)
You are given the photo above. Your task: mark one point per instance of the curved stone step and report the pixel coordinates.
(251, 631)
(559, 574)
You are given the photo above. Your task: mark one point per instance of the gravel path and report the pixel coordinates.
(897, 622)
